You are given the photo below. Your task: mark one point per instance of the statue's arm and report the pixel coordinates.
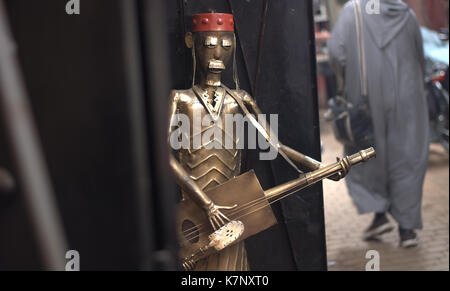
(189, 186)
(301, 160)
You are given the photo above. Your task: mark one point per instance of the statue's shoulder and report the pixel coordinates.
(244, 95)
(185, 95)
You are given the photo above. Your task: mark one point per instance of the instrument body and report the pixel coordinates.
(194, 228)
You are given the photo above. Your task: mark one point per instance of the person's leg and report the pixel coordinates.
(366, 186)
(380, 225)
(406, 208)
(408, 238)
(407, 137)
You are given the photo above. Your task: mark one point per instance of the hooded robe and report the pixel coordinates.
(393, 181)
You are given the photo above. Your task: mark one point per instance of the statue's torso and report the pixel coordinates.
(210, 167)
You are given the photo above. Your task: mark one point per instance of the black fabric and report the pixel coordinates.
(76, 85)
(286, 86)
(77, 74)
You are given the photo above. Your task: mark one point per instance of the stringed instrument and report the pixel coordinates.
(252, 214)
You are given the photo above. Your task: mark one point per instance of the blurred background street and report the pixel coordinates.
(344, 226)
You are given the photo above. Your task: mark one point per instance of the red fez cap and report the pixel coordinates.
(212, 22)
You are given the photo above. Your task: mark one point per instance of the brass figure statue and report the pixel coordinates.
(201, 169)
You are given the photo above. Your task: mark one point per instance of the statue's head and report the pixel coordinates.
(212, 42)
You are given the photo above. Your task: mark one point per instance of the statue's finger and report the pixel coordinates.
(212, 223)
(227, 207)
(220, 220)
(224, 217)
(217, 223)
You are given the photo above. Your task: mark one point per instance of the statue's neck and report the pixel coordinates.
(210, 81)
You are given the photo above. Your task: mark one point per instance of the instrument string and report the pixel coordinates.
(344, 166)
(344, 163)
(193, 230)
(288, 193)
(199, 230)
(247, 205)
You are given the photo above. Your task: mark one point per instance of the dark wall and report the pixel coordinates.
(84, 75)
(77, 91)
(285, 85)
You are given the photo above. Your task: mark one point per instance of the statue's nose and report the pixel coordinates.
(217, 54)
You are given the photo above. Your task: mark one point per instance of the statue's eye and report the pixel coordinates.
(226, 42)
(211, 41)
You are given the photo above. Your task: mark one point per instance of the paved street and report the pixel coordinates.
(344, 227)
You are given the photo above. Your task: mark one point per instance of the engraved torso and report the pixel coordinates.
(210, 163)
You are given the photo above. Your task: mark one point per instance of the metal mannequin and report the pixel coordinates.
(197, 170)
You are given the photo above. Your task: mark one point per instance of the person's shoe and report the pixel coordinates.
(379, 226)
(408, 238)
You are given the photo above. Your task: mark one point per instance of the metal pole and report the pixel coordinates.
(27, 154)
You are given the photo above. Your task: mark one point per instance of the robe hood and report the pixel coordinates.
(383, 27)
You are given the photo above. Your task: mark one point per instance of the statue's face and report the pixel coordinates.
(213, 50)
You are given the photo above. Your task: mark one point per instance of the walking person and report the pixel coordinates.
(393, 182)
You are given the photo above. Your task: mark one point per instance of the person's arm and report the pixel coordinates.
(189, 186)
(340, 77)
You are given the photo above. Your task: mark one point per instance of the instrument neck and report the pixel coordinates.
(303, 181)
(340, 168)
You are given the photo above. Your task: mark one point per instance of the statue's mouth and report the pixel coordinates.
(216, 66)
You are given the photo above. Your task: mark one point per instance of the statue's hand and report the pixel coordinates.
(339, 175)
(216, 217)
